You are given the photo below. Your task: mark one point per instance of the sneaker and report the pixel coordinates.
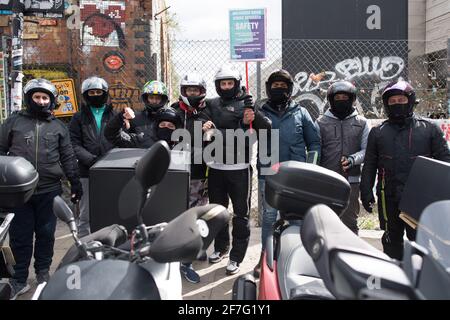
(203, 257)
(18, 288)
(216, 257)
(189, 273)
(42, 276)
(232, 267)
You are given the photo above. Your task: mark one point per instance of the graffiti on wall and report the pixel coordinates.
(114, 61)
(376, 71)
(123, 96)
(102, 23)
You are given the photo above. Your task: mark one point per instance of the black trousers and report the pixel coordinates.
(34, 218)
(394, 228)
(235, 185)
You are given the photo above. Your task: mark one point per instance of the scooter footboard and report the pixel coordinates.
(244, 288)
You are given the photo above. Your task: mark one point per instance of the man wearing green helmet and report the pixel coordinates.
(136, 130)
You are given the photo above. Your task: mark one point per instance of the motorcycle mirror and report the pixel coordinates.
(63, 212)
(153, 166)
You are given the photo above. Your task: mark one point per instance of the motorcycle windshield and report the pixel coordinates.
(433, 233)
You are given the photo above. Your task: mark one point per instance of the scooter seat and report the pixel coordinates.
(297, 274)
(113, 235)
(320, 240)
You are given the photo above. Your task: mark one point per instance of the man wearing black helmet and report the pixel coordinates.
(136, 130)
(232, 110)
(167, 121)
(88, 141)
(297, 136)
(344, 139)
(391, 150)
(36, 135)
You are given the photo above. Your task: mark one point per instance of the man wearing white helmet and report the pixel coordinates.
(36, 135)
(191, 109)
(232, 110)
(88, 141)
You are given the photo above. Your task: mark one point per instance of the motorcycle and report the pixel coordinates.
(105, 265)
(19, 179)
(287, 271)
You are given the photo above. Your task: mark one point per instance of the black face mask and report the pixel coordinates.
(41, 112)
(165, 134)
(228, 94)
(279, 95)
(342, 109)
(96, 101)
(195, 101)
(397, 113)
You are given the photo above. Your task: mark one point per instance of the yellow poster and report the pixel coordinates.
(67, 98)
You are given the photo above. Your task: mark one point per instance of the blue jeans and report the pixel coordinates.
(269, 214)
(34, 218)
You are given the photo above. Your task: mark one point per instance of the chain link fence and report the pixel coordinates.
(315, 64)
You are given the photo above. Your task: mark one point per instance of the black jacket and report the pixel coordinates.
(87, 142)
(228, 114)
(391, 150)
(140, 135)
(45, 144)
(198, 171)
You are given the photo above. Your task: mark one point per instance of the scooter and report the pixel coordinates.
(19, 179)
(104, 265)
(350, 269)
(287, 271)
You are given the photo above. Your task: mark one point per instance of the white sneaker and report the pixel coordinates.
(232, 267)
(216, 257)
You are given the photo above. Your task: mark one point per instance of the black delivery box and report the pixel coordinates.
(114, 193)
(19, 179)
(298, 186)
(428, 181)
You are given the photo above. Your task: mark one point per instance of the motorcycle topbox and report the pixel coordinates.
(298, 186)
(18, 178)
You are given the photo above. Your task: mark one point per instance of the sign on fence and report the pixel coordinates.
(37, 8)
(248, 34)
(67, 98)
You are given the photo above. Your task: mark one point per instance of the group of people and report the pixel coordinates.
(341, 138)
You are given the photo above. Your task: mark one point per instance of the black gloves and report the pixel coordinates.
(76, 191)
(368, 202)
(248, 101)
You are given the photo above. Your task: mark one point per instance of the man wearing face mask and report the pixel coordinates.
(297, 136)
(167, 121)
(136, 130)
(88, 141)
(231, 176)
(392, 148)
(344, 139)
(36, 135)
(191, 108)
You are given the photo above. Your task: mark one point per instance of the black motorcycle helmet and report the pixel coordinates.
(342, 109)
(168, 114)
(399, 113)
(280, 75)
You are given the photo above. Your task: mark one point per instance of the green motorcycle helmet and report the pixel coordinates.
(154, 88)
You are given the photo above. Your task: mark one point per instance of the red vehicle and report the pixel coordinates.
(287, 271)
